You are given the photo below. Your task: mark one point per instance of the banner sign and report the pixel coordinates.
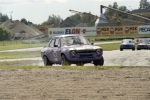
(144, 29)
(101, 30)
(117, 30)
(87, 31)
(138, 40)
(131, 29)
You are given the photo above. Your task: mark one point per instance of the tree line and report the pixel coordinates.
(56, 19)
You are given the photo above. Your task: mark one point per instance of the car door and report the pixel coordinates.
(49, 51)
(57, 51)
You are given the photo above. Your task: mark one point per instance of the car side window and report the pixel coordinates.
(57, 43)
(52, 43)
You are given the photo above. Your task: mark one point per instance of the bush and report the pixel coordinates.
(5, 33)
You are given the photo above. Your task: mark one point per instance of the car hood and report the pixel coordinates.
(143, 44)
(127, 43)
(83, 47)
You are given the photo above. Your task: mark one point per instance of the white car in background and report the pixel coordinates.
(127, 44)
(143, 45)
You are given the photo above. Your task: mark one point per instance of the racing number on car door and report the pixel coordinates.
(55, 56)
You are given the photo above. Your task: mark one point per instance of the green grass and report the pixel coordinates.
(9, 45)
(14, 55)
(13, 65)
(111, 46)
(30, 54)
(23, 65)
(5, 65)
(108, 47)
(117, 36)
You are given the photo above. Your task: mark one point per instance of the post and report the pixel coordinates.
(101, 8)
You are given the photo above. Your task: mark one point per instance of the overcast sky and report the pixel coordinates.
(37, 11)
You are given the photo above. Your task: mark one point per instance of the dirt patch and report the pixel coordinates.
(64, 84)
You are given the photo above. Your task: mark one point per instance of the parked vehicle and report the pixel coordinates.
(71, 49)
(143, 45)
(127, 44)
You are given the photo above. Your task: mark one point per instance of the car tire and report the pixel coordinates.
(121, 49)
(99, 62)
(46, 61)
(133, 49)
(65, 61)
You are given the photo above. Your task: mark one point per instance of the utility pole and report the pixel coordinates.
(11, 15)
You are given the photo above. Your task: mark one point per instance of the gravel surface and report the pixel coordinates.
(65, 84)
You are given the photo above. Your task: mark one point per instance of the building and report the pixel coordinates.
(142, 12)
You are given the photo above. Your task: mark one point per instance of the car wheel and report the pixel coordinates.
(133, 49)
(64, 61)
(96, 63)
(99, 62)
(121, 49)
(46, 61)
(80, 64)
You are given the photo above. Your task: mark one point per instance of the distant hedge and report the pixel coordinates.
(118, 38)
(5, 33)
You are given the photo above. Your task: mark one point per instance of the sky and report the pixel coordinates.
(38, 11)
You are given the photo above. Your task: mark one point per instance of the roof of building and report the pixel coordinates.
(140, 11)
(19, 29)
(68, 22)
(83, 25)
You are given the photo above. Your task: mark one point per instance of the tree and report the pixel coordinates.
(112, 14)
(53, 20)
(3, 18)
(23, 20)
(5, 33)
(123, 8)
(76, 18)
(144, 4)
(109, 13)
(115, 5)
(84, 18)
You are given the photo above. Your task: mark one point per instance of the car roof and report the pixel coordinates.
(127, 39)
(68, 35)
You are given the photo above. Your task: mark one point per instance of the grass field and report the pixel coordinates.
(30, 54)
(14, 55)
(9, 45)
(109, 47)
(19, 64)
(17, 44)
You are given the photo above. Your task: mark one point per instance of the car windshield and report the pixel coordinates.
(74, 40)
(127, 41)
(143, 42)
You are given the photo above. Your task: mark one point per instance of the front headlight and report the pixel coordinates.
(99, 51)
(73, 53)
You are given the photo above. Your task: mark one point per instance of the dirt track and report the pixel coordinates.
(63, 84)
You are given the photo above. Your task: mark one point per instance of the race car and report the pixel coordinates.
(127, 44)
(143, 45)
(71, 49)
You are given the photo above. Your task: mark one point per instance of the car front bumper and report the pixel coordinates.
(84, 57)
(142, 47)
(127, 47)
